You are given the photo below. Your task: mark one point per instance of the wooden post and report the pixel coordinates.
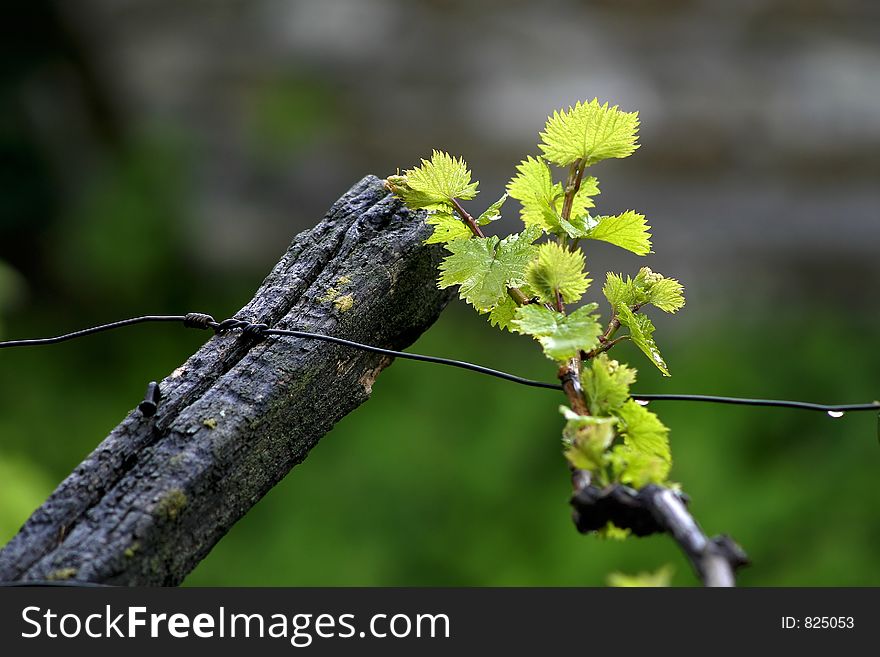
(159, 492)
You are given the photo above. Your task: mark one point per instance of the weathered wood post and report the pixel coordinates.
(159, 492)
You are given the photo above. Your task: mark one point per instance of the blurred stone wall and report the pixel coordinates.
(759, 165)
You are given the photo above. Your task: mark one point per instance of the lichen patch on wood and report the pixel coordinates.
(344, 303)
(62, 574)
(171, 504)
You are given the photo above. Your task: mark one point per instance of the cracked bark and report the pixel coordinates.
(157, 494)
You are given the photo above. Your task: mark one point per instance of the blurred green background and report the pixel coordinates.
(157, 156)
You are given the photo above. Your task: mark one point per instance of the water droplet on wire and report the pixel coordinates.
(642, 402)
(835, 414)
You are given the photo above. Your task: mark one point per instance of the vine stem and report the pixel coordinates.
(604, 346)
(605, 341)
(569, 374)
(467, 218)
(572, 187)
(612, 327)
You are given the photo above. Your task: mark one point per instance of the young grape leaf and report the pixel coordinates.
(492, 213)
(586, 438)
(619, 292)
(542, 199)
(637, 469)
(438, 181)
(628, 231)
(660, 578)
(534, 188)
(447, 228)
(667, 294)
(612, 532)
(561, 336)
(557, 270)
(641, 330)
(502, 315)
(606, 384)
(413, 199)
(647, 287)
(643, 432)
(485, 268)
(590, 132)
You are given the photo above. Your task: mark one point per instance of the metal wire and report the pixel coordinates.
(779, 403)
(419, 357)
(36, 342)
(258, 331)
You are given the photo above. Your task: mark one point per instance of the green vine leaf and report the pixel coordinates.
(612, 532)
(561, 336)
(447, 228)
(643, 432)
(647, 287)
(586, 438)
(534, 188)
(641, 330)
(590, 132)
(620, 292)
(662, 577)
(557, 270)
(606, 384)
(666, 294)
(492, 213)
(484, 267)
(637, 469)
(627, 230)
(414, 200)
(502, 315)
(435, 182)
(542, 199)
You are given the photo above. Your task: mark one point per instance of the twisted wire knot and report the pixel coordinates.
(255, 331)
(198, 320)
